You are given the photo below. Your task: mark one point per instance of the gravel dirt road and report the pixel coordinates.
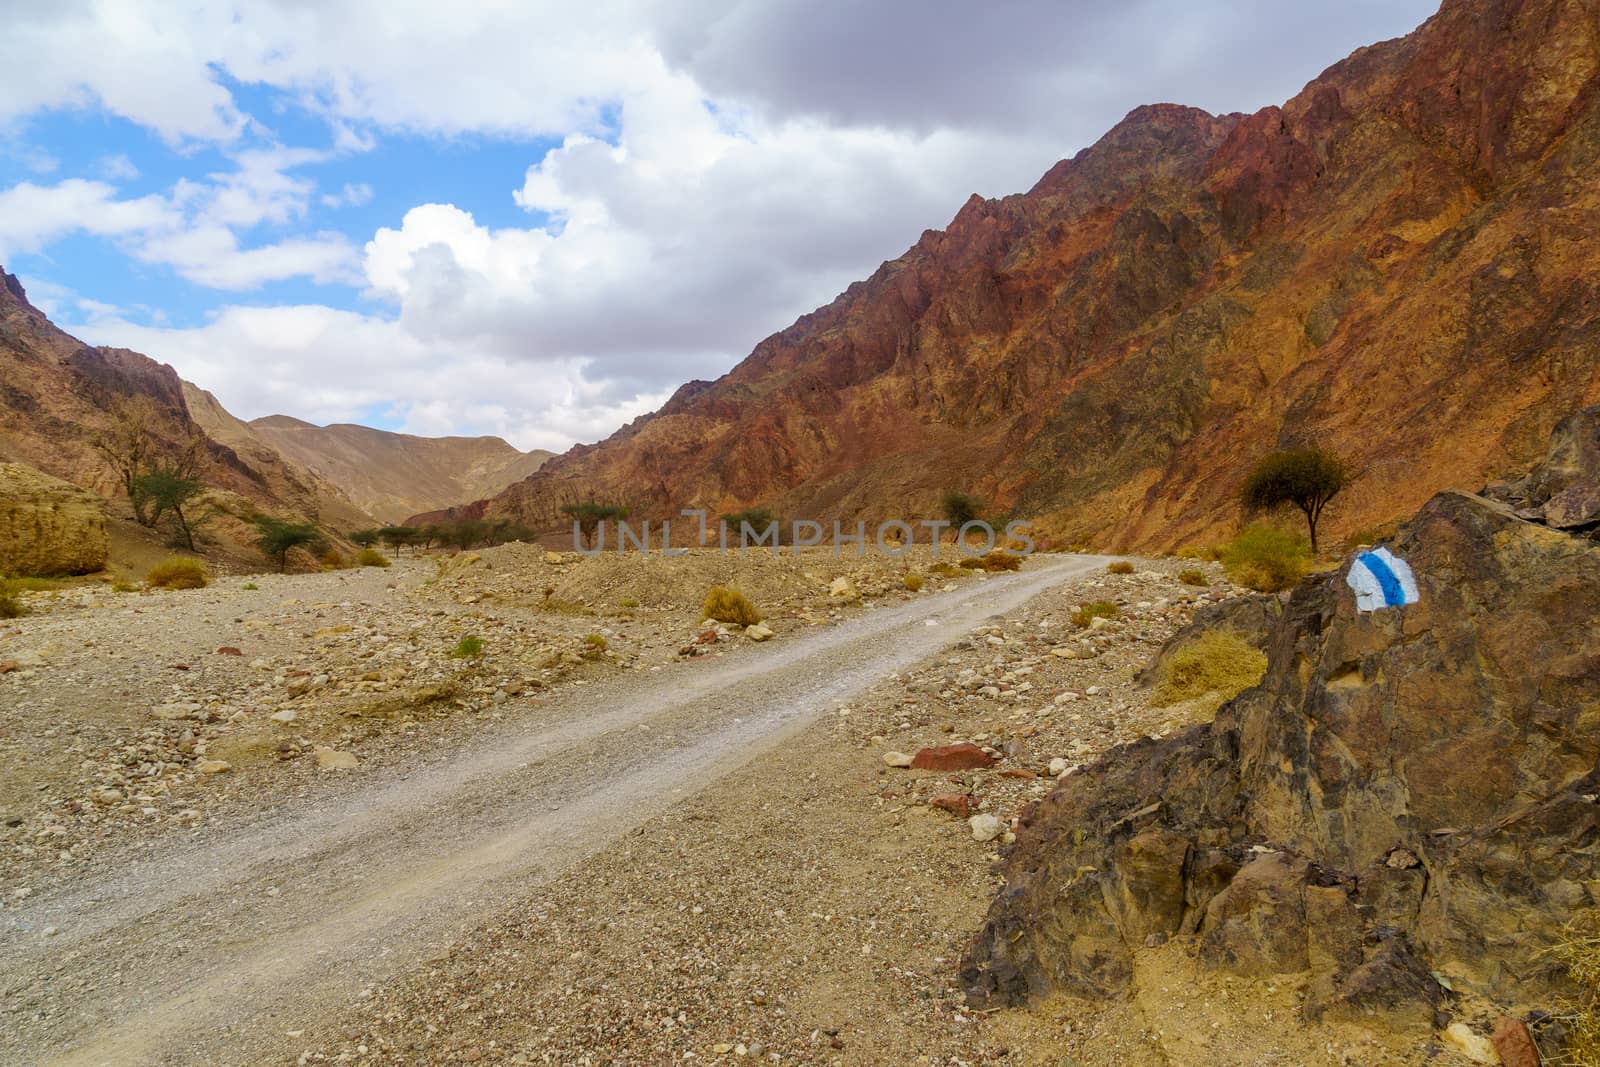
(207, 951)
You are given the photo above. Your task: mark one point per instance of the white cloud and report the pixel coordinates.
(194, 229)
(725, 165)
(354, 194)
(267, 360)
(116, 168)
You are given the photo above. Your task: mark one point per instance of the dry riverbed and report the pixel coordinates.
(809, 907)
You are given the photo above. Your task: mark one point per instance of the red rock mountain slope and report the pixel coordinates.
(1402, 262)
(58, 395)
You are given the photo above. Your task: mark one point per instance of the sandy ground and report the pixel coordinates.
(651, 858)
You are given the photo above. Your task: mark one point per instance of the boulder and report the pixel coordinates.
(48, 526)
(1408, 791)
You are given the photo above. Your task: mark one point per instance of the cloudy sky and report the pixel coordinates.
(536, 219)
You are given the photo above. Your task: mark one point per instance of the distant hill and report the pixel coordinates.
(1402, 262)
(59, 396)
(395, 475)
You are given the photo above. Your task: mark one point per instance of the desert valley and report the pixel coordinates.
(1153, 620)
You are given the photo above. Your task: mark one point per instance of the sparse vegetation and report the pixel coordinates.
(1580, 952)
(1121, 566)
(960, 508)
(998, 560)
(628, 603)
(277, 538)
(166, 491)
(1266, 559)
(1087, 613)
(913, 582)
(1219, 662)
(371, 557)
(120, 586)
(944, 570)
(1308, 478)
(469, 647)
(334, 560)
(249, 585)
(365, 538)
(1193, 576)
(594, 646)
(731, 606)
(11, 605)
(759, 521)
(590, 514)
(1371, 535)
(179, 572)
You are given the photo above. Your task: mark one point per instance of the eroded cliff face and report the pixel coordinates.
(1409, 793)
(1400, 262)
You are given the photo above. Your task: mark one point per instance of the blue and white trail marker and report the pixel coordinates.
(1381, 579)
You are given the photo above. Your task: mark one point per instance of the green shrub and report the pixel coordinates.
(913, 582)
(998, 560)
(371, 557)
(944, 570)
(731, 606)
(1193, 577)
(11, 607)
(179, 572)
(249, 585)
(1087, 613)
(628, 602)
(594, 646)
(120, 586)
(1219, 662)
(1266, 559)
(333, 560)
(469, 647)
(1121, 566)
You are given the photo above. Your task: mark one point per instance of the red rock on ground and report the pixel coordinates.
(1514, 1043)
(963, 757)
(958, 804)
(229, 650)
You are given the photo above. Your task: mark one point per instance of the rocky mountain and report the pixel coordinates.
(1399, 263)
(1404, 808)
(58, 397)
(394, 475)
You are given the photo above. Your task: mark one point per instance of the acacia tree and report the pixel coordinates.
(590, 514)
(961, 508)
(1306, 477)
(167, 492)
(128, 443)
(276, 538)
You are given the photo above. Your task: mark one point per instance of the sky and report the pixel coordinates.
(536, 219)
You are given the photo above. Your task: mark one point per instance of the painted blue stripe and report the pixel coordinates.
(1393, 595)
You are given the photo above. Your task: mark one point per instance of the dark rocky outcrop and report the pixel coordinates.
(1408, 792)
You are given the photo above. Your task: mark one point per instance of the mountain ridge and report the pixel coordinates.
(1395, 263)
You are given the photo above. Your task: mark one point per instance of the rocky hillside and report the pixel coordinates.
(1400, 262)
(394, 475)
(58, 397)
(1404, 809)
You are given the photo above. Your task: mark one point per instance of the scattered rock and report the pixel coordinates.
(287, 715)
(963, 757)
(897, 759)
(1471, 1044)
(1514, 1043)
(985, 827)
(331, 759)
(759, 632)
(229, 650)
(213, 766)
